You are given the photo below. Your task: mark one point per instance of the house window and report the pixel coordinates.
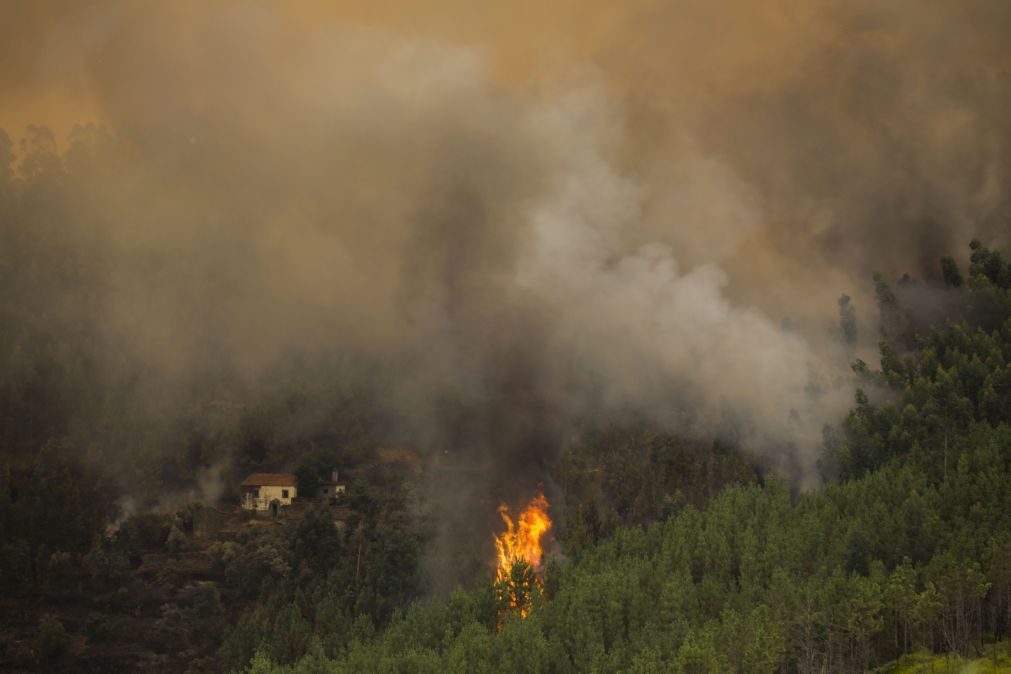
(284, 493)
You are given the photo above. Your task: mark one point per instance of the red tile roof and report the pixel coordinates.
(270, 480)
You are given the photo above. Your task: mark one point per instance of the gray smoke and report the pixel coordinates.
(625, 225)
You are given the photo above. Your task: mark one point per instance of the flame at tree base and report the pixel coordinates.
(517, 577)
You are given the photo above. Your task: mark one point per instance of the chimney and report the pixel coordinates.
(333, 475)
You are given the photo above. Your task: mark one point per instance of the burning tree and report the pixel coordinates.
(517, 579)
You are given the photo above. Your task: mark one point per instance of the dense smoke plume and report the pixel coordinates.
(529, 216)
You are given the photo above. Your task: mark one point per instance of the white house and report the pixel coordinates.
(267, 491)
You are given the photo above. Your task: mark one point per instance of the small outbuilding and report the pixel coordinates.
(330, 488)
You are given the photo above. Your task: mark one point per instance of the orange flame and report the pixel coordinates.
(521, 542)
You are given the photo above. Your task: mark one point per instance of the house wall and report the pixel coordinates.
(271, 493)
(331, 490)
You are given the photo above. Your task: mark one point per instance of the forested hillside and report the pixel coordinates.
(907, 547)
(107, 456)
(671, 553)
(511, 335)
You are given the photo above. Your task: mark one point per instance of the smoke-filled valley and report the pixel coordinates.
(692, 272)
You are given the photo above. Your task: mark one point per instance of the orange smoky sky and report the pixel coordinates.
(688, 52)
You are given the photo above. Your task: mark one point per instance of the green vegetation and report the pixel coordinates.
(52, 640)
(910, 549)
(313, 585)
(996, 660)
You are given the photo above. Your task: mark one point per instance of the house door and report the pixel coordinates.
(273, 508)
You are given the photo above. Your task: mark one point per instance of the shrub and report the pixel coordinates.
(100, 628)
(52, 639)
(176, 540)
